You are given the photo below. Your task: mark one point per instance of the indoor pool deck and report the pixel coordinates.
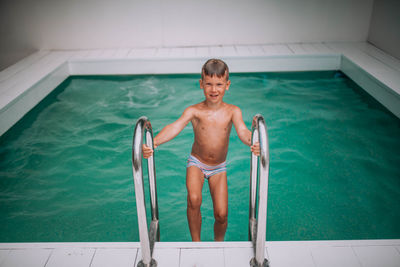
(25, 83)
(354, 253)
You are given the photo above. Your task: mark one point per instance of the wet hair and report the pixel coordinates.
(215, 67)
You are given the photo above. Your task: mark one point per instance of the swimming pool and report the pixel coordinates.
(331, 177)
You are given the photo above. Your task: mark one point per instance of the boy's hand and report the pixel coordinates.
(256, 149)
(147, 151)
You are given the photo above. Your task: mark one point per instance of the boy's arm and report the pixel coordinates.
(242, 131)
(170, 131)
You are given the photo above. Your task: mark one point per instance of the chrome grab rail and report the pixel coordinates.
(258, 227)
(147, 238)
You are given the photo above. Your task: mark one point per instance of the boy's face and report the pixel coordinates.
(214, 87)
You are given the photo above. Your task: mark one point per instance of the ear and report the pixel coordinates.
(228, 83)
(201, 84)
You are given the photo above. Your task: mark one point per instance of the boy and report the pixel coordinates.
(212, 121)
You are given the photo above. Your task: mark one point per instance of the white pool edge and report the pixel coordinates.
(225, 244)
(15, 105)
(349, 253)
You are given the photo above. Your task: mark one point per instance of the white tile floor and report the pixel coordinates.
(290, 256)
(334, 256)
(383, 71)
(114, 257)
(352, 253)
(17, 81)
(378, 256)
(36, 66)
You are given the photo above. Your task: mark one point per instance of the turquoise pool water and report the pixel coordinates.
(65, 168)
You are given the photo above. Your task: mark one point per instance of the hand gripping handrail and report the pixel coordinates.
(258, 227)
(147, 238)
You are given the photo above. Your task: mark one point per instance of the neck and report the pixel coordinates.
(213, 105)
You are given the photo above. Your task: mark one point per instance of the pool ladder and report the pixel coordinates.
(257, 221)
(147, 238)
(258, 226)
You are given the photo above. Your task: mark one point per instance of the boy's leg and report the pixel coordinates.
(219, 193)
(194, 185)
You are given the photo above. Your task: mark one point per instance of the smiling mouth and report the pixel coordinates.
(214, 95)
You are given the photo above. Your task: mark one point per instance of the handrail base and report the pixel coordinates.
(153, 263)
(254, 263)
(252, 230)
(154, 234)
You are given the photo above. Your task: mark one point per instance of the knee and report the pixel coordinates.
(194, 201)
(221, 216)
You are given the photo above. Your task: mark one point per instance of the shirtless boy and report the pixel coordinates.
(212, 121)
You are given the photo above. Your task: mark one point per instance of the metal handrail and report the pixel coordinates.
(258, 227)
(147, 238)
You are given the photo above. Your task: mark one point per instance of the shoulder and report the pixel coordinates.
(188, 110)
(196, 108)
(192, 110)
(236, 113)
(234, 109)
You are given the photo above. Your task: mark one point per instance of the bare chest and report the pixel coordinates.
(212, 123)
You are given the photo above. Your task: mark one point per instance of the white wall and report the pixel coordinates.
(16, 42)
(385, 26)
(81, 24)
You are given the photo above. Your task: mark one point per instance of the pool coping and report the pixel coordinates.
(27, 82)
(357, 253)
(187, 244)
